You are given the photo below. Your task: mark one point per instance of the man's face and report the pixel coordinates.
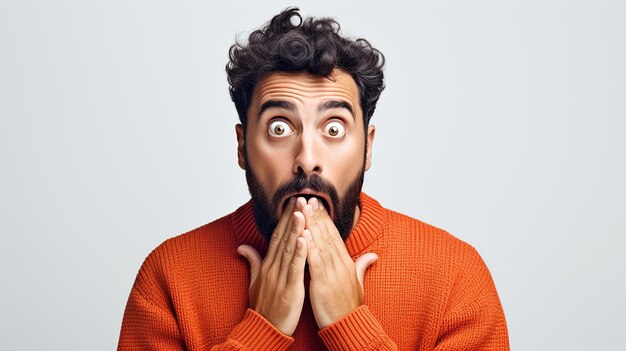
(305, 136)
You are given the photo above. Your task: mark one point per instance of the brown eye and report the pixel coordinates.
(279, 128)
(335, 130)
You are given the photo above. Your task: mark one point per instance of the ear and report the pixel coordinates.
(240, 146)
(371, 132)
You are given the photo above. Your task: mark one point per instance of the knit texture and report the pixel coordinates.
(427, 291)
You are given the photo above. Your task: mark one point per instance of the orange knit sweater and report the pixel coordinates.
(427, 291)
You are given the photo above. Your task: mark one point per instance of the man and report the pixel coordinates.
(326, 266)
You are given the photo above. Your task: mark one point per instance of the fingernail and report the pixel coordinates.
(298, 243)
(301, 202)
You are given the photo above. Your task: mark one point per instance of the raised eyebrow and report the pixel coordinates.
(327, 105)
(276, 103)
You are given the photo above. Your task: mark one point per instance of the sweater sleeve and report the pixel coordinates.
(474, 319)
(150, 322)
(358, 330)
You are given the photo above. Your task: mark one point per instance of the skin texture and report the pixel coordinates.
(299, 123)
(277, 281)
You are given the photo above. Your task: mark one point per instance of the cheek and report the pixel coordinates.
(270, 164)
(346, 163)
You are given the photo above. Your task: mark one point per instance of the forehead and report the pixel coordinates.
(302, 86)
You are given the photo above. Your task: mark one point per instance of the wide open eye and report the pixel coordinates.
(335, 129)
(279, 128)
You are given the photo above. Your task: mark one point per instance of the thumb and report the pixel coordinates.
(362, 263)
(254, 260)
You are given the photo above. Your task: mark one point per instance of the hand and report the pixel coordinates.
(277, 282)
(336, 287)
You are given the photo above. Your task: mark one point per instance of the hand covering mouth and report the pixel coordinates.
(321, 198)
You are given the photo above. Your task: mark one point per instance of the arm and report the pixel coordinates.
(475, 319)
(148, 326)
(359, 330)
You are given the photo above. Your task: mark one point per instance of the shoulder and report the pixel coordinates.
(208, 235)
(405, 233)
(428, 237)
(191, 249)
(453, 262)
(433, 247)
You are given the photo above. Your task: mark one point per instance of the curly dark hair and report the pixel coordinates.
(312, 45)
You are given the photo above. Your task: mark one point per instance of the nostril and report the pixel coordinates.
(302, 172)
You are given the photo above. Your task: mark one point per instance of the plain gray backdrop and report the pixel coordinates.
(502, 122)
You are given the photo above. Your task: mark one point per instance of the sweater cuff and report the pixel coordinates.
(257, 333)
(355, 331)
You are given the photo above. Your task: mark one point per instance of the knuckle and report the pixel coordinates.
(293, 270)
(270, 279)
(283, 240)
(288, 250)
(337, 237)
(318, 265)
(275, 235)
(294, 229)
(266, 271)
(329, 241)
(323, 248)
(264, 268)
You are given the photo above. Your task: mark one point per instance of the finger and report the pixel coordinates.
(277, 234)
(317, 235)
(334, 235)
(286, 231)
(324, 217)
(313, 258)
(253, 258)
(295, 274)
(287, 247)
(323, 241)
(362, 263)
(300, 202)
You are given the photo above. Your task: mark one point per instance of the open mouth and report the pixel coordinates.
(320, 198)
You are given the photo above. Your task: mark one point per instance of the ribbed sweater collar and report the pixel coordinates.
(366, 231)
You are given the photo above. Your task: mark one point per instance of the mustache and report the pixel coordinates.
(301, 182)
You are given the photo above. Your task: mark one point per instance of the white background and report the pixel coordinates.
(502, 122)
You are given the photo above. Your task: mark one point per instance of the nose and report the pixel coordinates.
(307, 159)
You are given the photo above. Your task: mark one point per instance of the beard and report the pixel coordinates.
(265, 206)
